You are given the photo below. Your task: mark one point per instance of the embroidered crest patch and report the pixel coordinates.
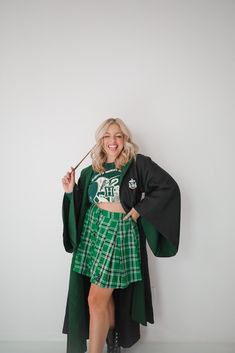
(132, 184)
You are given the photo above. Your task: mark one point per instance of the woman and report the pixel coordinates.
(106, 223)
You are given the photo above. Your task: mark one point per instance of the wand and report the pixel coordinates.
(83, 158)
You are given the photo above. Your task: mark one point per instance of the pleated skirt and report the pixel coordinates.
(109, 249)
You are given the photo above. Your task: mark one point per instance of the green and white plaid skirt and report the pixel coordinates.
(109, 249)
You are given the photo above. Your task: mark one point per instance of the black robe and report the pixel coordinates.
(154, 193)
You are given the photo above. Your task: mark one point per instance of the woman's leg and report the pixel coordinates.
(101, 311)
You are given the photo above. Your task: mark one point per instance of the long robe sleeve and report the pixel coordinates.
(70, 212)
(159, 209)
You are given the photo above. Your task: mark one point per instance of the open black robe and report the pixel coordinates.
(154, 193)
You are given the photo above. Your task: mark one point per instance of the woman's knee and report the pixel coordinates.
(98, 298)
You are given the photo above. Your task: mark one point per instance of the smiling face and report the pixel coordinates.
(113, 142)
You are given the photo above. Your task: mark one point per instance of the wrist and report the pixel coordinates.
(136, 213)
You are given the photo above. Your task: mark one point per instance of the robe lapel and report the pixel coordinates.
(124, 170)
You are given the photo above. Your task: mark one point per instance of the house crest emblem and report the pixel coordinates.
(132, 184)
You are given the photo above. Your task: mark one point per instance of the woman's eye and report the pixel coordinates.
(116, 136)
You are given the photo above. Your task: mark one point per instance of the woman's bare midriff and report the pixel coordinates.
(111, 206)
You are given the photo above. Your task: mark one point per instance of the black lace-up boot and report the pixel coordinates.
(112, 342)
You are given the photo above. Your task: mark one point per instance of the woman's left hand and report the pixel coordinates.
(132, 213)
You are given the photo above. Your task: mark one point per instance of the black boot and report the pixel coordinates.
(112, 342)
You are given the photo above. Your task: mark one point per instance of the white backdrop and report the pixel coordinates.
(167, 69)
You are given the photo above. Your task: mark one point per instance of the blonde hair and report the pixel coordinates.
(98, 155)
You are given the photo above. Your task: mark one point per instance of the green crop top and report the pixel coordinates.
(104, 187)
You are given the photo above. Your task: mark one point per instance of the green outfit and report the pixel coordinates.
(109, 249)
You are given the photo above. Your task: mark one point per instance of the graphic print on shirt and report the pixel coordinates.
(104, 187)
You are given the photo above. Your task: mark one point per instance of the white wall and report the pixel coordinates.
(167, 69)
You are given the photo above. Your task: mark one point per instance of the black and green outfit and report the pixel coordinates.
(155, 195)
(109, 250)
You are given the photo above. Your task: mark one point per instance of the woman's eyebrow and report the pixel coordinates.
(107, 133)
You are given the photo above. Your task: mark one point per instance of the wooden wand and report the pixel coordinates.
(83, 158)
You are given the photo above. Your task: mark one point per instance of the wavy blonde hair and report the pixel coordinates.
(98, 155)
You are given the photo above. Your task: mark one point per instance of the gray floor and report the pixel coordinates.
(60, 347)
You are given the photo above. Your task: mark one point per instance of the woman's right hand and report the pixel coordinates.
(68, 181)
